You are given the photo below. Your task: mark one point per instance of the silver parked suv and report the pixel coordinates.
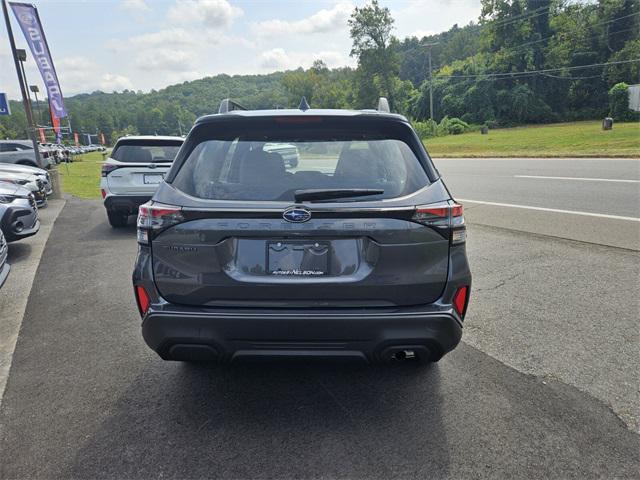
(21, 152)
(132, 173)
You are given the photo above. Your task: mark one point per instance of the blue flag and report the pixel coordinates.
(4, 105)
(29, 21)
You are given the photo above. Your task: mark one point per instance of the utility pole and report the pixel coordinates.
(429, 46)
(23, 88)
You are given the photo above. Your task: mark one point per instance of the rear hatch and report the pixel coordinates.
(253, 230)
(137, 167)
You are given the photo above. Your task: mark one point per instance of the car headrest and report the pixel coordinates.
(260, 167)
(142, 155)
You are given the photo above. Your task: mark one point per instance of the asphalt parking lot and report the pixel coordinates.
(544, 385)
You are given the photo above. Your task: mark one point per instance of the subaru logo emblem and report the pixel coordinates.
(296, 214)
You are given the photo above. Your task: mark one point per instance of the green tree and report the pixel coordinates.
(375, 48)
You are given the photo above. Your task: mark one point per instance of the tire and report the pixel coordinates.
(117, 219)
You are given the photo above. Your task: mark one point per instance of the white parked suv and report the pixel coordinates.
(132, 173)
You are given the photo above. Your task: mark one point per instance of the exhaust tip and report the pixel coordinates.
(404, 353)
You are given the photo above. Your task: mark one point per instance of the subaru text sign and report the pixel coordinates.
(29, 21)
(4, 105)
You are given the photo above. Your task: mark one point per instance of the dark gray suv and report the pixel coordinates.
(354, 251)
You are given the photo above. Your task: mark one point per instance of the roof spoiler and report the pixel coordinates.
(227, 105)
(383, 105)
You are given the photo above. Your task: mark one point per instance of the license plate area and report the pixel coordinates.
(298, 258)
(152, 179)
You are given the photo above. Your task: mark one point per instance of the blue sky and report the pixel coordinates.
(111, 45)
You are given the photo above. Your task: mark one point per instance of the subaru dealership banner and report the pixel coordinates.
(29, 21)
(55, 122)
(4, 105)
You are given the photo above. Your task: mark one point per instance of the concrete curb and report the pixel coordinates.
(24, 257)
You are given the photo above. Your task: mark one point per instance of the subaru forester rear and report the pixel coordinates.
(355, 250)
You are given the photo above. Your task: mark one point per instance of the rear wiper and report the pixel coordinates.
(327, 194)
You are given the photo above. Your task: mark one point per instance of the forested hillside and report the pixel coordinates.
(524, 61)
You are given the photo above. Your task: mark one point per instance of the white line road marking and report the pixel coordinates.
(582, 179)
(555, 210)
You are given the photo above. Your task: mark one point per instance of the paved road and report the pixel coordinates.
(86, 399)
(602, 196)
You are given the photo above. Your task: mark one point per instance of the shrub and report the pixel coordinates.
(452, 126)
(619, 103)
(426, 129)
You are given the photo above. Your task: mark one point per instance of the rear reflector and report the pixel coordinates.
(143, 300)
(460, 300)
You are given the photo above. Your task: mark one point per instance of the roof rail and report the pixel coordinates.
(227, 105)
(383, 105)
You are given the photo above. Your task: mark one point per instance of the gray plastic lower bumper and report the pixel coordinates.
(227, 335)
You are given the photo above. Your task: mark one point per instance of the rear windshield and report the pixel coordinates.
(146, 151)
(271, 165)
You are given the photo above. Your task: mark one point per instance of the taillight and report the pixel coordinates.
(443, 216)
(460, 300)
(156, 217)
(142, 298)
(107, 168)
(104, 193)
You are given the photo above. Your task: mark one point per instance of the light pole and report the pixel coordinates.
(22, 57)
(429, 46)
(35, 90)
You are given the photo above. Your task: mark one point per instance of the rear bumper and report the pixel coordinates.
(183, 333)
(125, 203)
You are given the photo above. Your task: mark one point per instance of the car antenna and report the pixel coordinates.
(383, 105)
(304, 105)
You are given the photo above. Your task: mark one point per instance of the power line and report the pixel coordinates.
(516, 47)
(570, 78)
(536, 12)
(536, 72)
(523, 16)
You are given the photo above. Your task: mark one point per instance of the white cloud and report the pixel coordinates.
(165, 59)
(80, 74)
(275, 59)
(433, 16)
(138, 6)
(279, 59)
(216, 14)
(322, 21)
(110, 82)
(171, 37)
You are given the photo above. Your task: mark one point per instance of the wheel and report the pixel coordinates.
(117, 219)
